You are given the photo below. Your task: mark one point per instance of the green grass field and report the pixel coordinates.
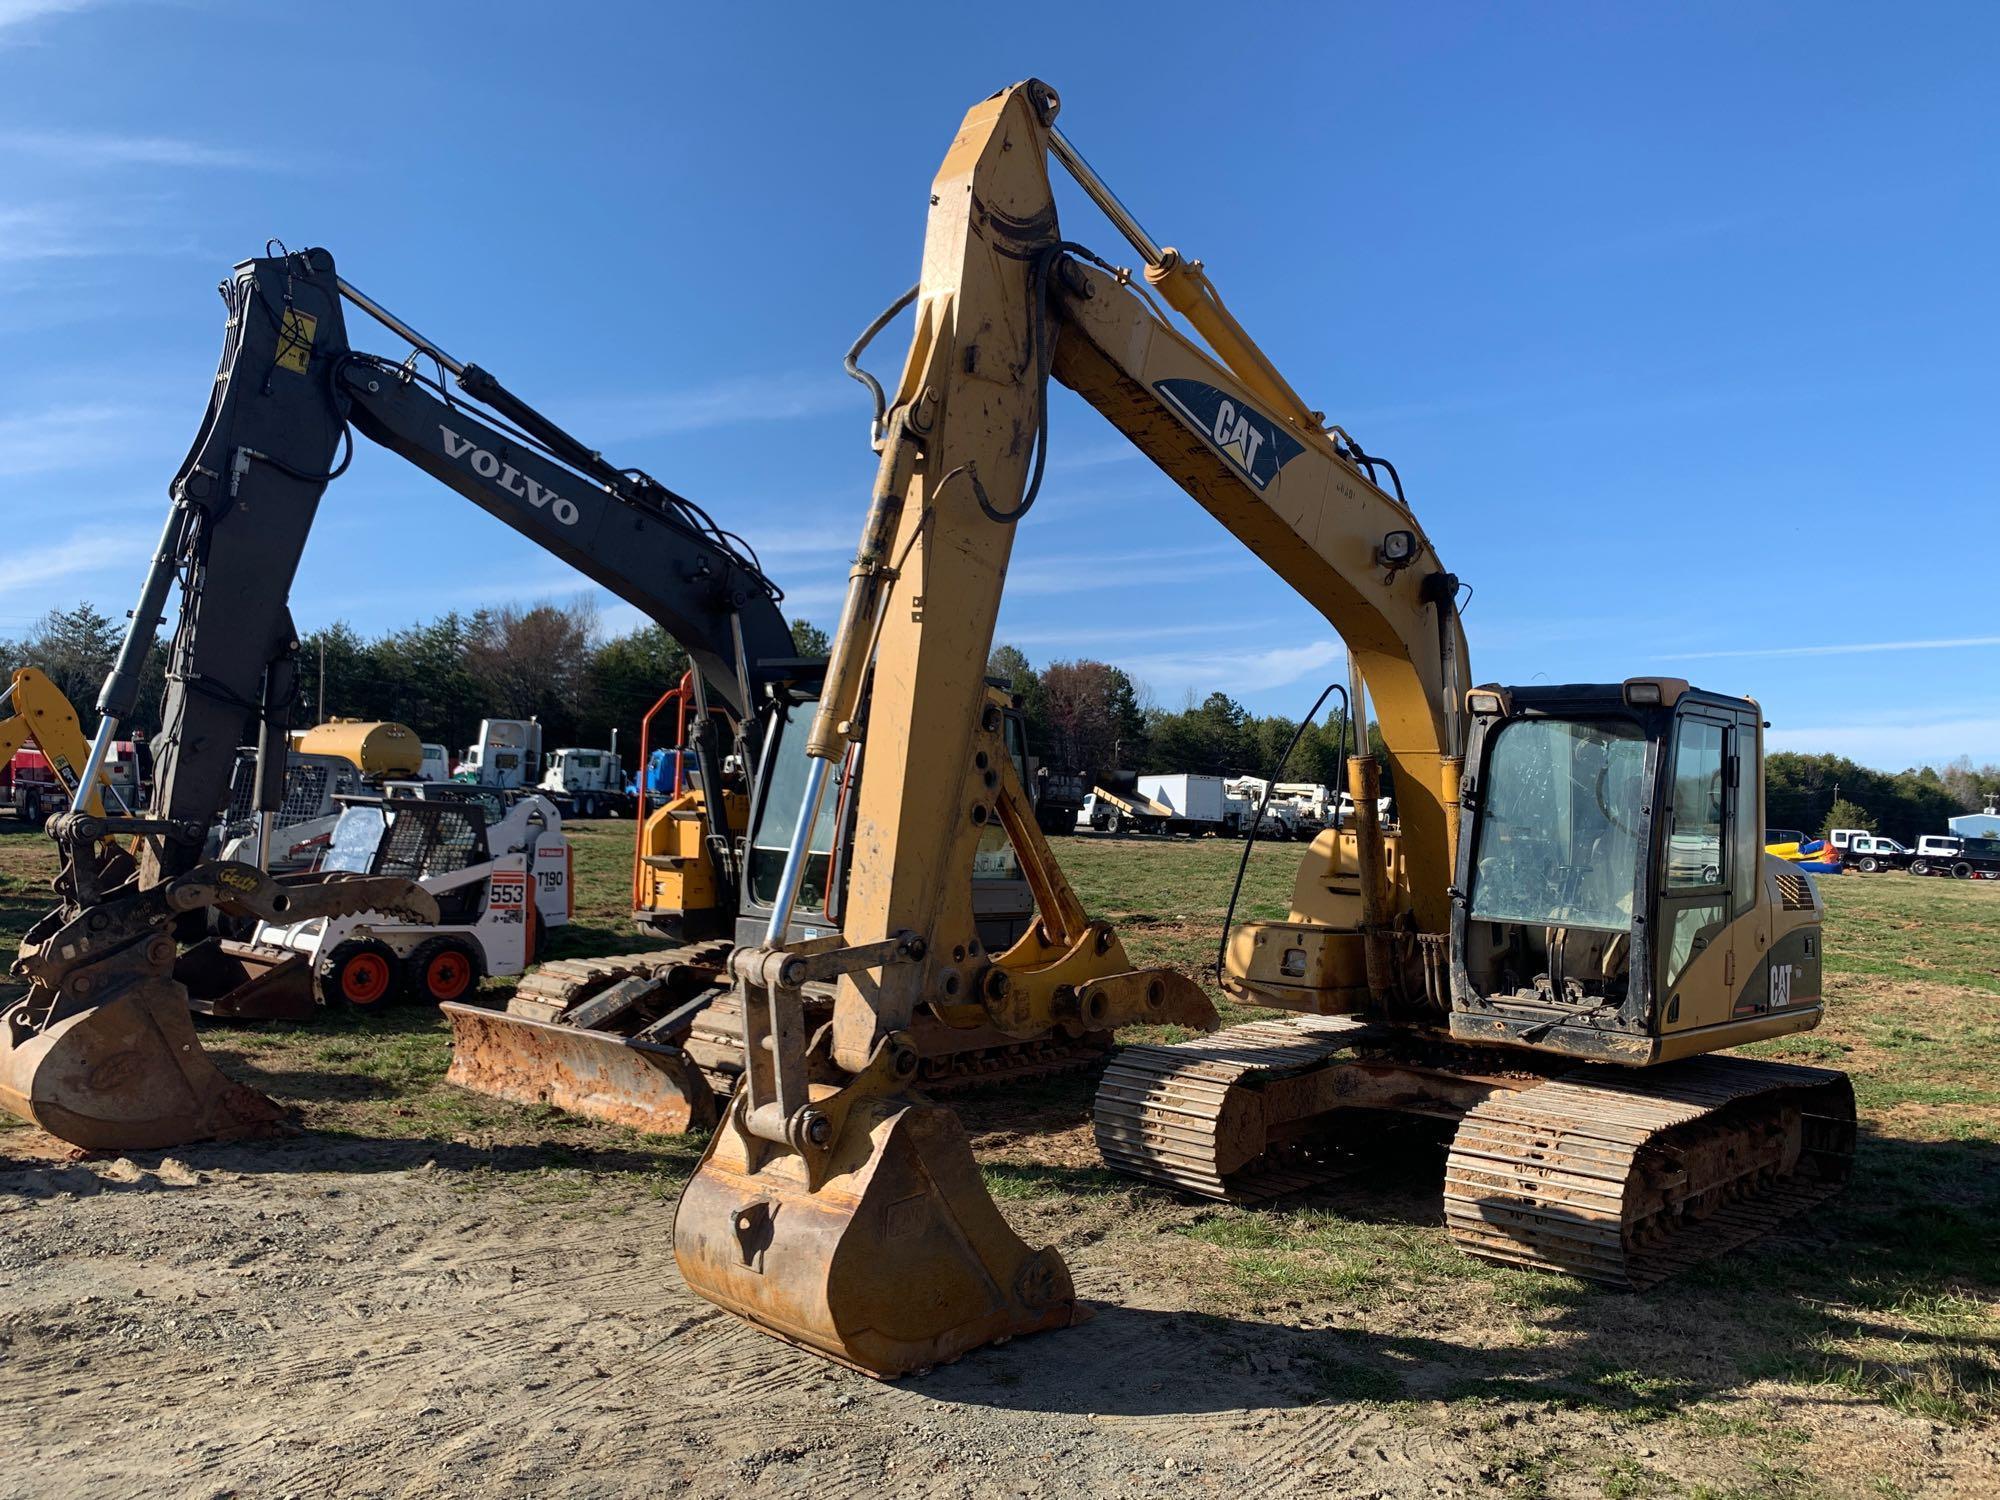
(1887, 1297)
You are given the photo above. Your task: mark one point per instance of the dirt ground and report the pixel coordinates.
(404, 1300)
(363, 1317)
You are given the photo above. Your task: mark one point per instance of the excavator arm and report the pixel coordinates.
(43, 717)
(791, 1219)
(1004, 305)
(288, 396)
(839, 1209)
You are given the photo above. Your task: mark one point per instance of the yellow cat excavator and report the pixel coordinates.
(1573, 916)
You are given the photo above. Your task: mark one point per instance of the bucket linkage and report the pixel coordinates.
(848, 1215)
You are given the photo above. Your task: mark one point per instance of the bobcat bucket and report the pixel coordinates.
(247, 981)
(648, 1086)
(126, 1072)
(897, 1260)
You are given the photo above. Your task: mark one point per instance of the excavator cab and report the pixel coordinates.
(1613, 899)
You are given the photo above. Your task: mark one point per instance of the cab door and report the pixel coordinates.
(1698, 966)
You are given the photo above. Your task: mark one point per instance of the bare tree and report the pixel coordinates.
(534, 663)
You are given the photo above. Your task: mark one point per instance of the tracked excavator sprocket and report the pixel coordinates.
(1613, 1175)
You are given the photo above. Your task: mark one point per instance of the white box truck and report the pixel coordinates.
(1193, 804)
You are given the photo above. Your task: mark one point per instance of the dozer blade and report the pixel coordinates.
(649, 1086)
(898, 1262)
(126, 1075)
(247, 981)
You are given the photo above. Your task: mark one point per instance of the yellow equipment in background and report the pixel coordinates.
(376, 747)
(43, 717)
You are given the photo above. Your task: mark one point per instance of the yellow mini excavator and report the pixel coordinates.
(1573, 917)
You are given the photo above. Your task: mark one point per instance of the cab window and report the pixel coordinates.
(1694, 836)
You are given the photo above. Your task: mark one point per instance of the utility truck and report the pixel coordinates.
(1962, 859)
(1870, 852)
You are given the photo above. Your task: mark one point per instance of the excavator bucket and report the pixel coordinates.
(247, 981)
(126, 1075)
(648, 1086)
(898, 1261)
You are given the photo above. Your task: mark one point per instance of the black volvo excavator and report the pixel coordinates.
(101, 1052)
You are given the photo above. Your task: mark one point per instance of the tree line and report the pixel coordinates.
(549, 662)
(553, 663)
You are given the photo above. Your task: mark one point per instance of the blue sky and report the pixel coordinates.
(1679, 322)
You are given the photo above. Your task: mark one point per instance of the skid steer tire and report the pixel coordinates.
(441, 969)
(359, 974)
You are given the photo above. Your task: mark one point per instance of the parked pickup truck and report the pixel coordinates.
(1962, 859)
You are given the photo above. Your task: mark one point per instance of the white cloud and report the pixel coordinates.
(1080, 637)
(1124, 567)
(89, 550)
(80, 435)
(768, 541)
(745, 398)
(15, 13)
(1847, 648)
(83, 149)
(810, 597)
(1172, 675)
(36, 233)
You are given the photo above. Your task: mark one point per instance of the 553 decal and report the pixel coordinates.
(1257, 446)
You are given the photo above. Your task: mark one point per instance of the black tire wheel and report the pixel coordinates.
(1920, 867)
(443, 968)
(1962, 870)
(31, 809)
(1114, 822)
(359, 974)
(1869, 864)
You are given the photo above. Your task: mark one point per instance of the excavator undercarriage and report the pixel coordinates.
(1599, 1172)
